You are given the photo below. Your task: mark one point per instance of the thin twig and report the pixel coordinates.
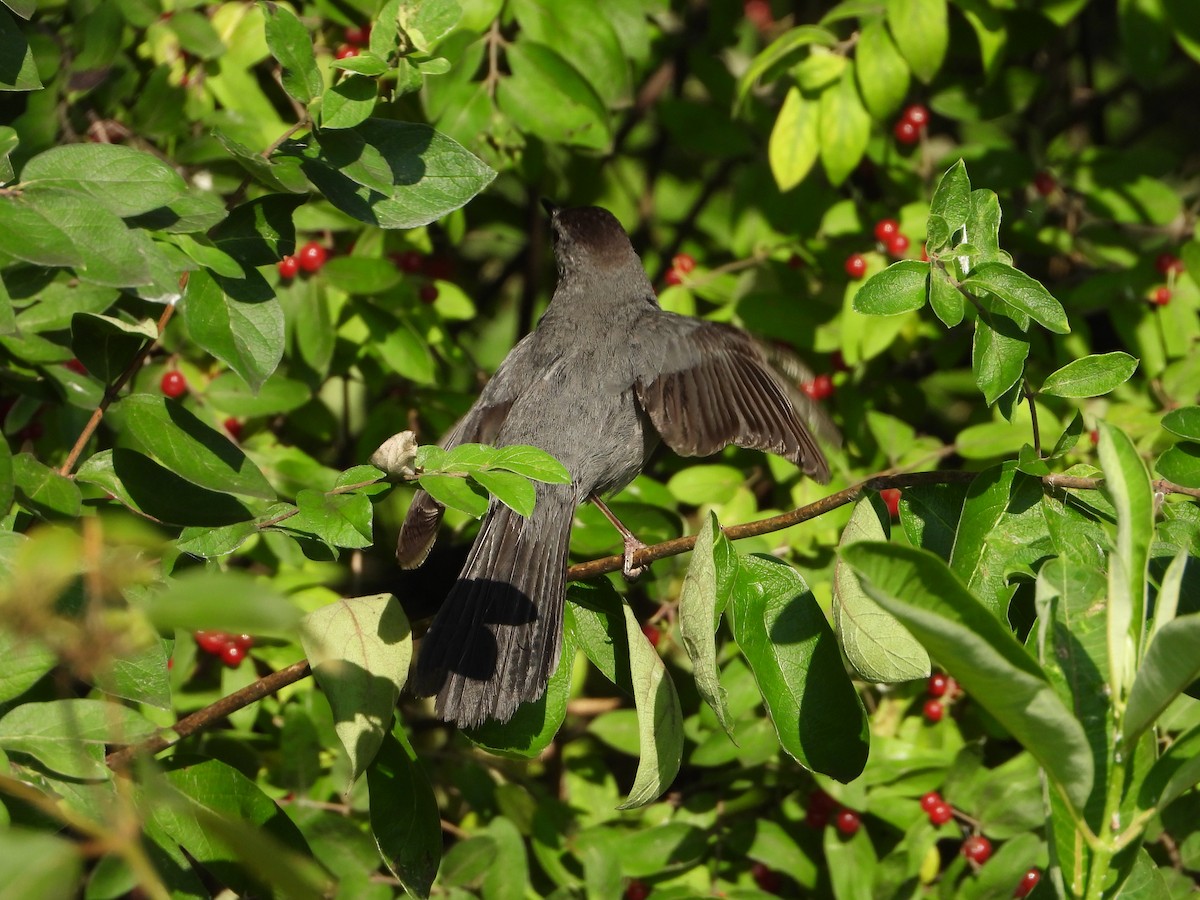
(110, 394)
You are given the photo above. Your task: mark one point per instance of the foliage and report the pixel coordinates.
(243, 245)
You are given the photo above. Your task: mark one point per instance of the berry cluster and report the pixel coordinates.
(941, 690)
(939, 811)
(310, 259)
(232, 648)
(766, 878)
(681, 264)
(410, 262)
(1170, 267)
(911, 124)
(821, 807)
(887, 232)
(357, 37)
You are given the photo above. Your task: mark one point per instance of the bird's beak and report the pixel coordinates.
(550, 207)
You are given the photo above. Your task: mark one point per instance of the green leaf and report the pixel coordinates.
(547, 97)
(1022, 293)
(981, 653)
(794, 144)
(534, 725)
(339, 520)
(210, 543)
(582, 33)
(7, 480)
(699, 616)
(360, 649)
(37, 863)
(25, 662)
(427, 175)
(1127, 484)
(361, 275)
(230, 394)
(898, 289)
(260, 232)
(9, 141)
(125, 181)
(18, 72)
(363, 63)
(282, 174)
(997, 356)
(454, 492)
(231, 601)
(697, 485)
(191, 449)
(249, 337)
(106, 345)
(1090, 376)
(922, 31)
(196, 34)
(531, 462)
(425, 22)
(43, 491)
(944, 298)
(795, 660)
(34, 237)
(1181, 464)
(404, 814)
(818, 71)
(109, 253)
(779, 51)
(1171, 663)
(1184, 422)
(144, 486)
(69, 736)
(23, 8)
(660, 719)
(350, 102)
(205, 254)
(289, 43)
(1174, 772)
(952, 199)
(845, 128)
(141, 676)
(514, 491)
(881, 69)
(877, 646)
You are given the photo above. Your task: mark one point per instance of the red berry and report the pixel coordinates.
(930, 800)
(439, 267)
(428, 292)
(77, 367)
(409, 261)
(837, 362)
(288, 267)
(940, 813)
(891, 499)
(906, 132)
(211, 641)
(345, 51)
(234, 427)
(933, 711)
(820, 805)
(917, 114)
(312, 257)
(924, 253)
(674, 276)
(856, 266)
(170, 663)
(1166, 263)
(358, 35)
(244, 641)
(939, 683)
(232, 654)
(847, 822)
(653, 635)
(684, 262)
(636, 890)
(1162, 295)
(1027, 883)
(885, 228)
(173, 384)
(897, 245)
(819, 388)
(765, 877)
(977, 849)
(758, 13)
(795, 261)
(1044, 183)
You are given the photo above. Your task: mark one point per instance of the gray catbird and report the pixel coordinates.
(605, 376)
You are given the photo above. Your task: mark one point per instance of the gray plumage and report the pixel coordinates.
(605, 375)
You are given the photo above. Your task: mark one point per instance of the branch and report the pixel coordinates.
(298, 671)
(110, 393)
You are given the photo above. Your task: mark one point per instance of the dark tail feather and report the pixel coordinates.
(419, 531)
(497, 637)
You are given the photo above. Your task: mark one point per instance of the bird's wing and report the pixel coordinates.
(480, 425)
(709, 386)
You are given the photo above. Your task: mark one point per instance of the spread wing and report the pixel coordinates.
(479, 425)
(712, 387)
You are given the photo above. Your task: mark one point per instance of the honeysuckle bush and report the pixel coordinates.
(195, 517)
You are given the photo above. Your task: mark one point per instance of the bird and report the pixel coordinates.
(604, 378)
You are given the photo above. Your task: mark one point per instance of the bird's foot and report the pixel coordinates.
(628, 569)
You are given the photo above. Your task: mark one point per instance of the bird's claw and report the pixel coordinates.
(628, 569)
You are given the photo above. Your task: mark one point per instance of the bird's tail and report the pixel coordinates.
(497, 637)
